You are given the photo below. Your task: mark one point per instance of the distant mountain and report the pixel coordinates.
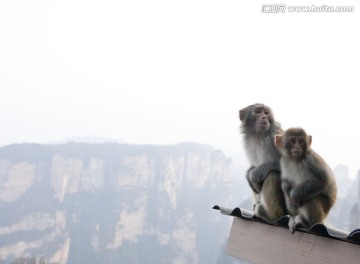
(121, 203)
(90, 139)
(113, 203)
(343, 180)
(345, 214)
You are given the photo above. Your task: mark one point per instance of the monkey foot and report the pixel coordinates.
(254, 205)
(294, 222)
(260, 212)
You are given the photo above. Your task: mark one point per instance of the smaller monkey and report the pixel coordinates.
(307, 181)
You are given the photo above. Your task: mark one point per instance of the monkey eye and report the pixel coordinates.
(301, 141)
(261, 109)
(292, 140)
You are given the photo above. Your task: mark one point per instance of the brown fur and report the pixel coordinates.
(259, 128)
(307, 181)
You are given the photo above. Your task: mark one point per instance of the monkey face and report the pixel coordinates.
(296, 146)
(256, 119)
(262, 118)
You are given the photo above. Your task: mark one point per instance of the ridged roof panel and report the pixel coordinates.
(317, 229)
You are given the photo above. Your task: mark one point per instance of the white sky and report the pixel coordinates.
(162, 72)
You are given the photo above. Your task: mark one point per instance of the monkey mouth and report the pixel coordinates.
(297, 153)
(263, 123)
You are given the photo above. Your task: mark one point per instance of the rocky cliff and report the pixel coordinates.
(112, 203)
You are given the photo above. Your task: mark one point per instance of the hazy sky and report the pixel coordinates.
(162, 72)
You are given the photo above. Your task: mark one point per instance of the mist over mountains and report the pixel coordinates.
(124, 203)
(112, 203)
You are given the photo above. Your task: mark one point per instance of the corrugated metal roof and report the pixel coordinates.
(317, 229)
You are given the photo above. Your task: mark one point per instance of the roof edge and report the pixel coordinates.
(317, 229)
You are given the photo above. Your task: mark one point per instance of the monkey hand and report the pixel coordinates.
(296, 199)
(253, 180)
(286, 186)
(256, 181)
(293, 206)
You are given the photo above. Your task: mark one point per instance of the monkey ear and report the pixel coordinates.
(278, 141)
(242, 114)
(309, 140)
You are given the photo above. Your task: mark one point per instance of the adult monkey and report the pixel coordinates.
(259, 128)
(307, 180)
